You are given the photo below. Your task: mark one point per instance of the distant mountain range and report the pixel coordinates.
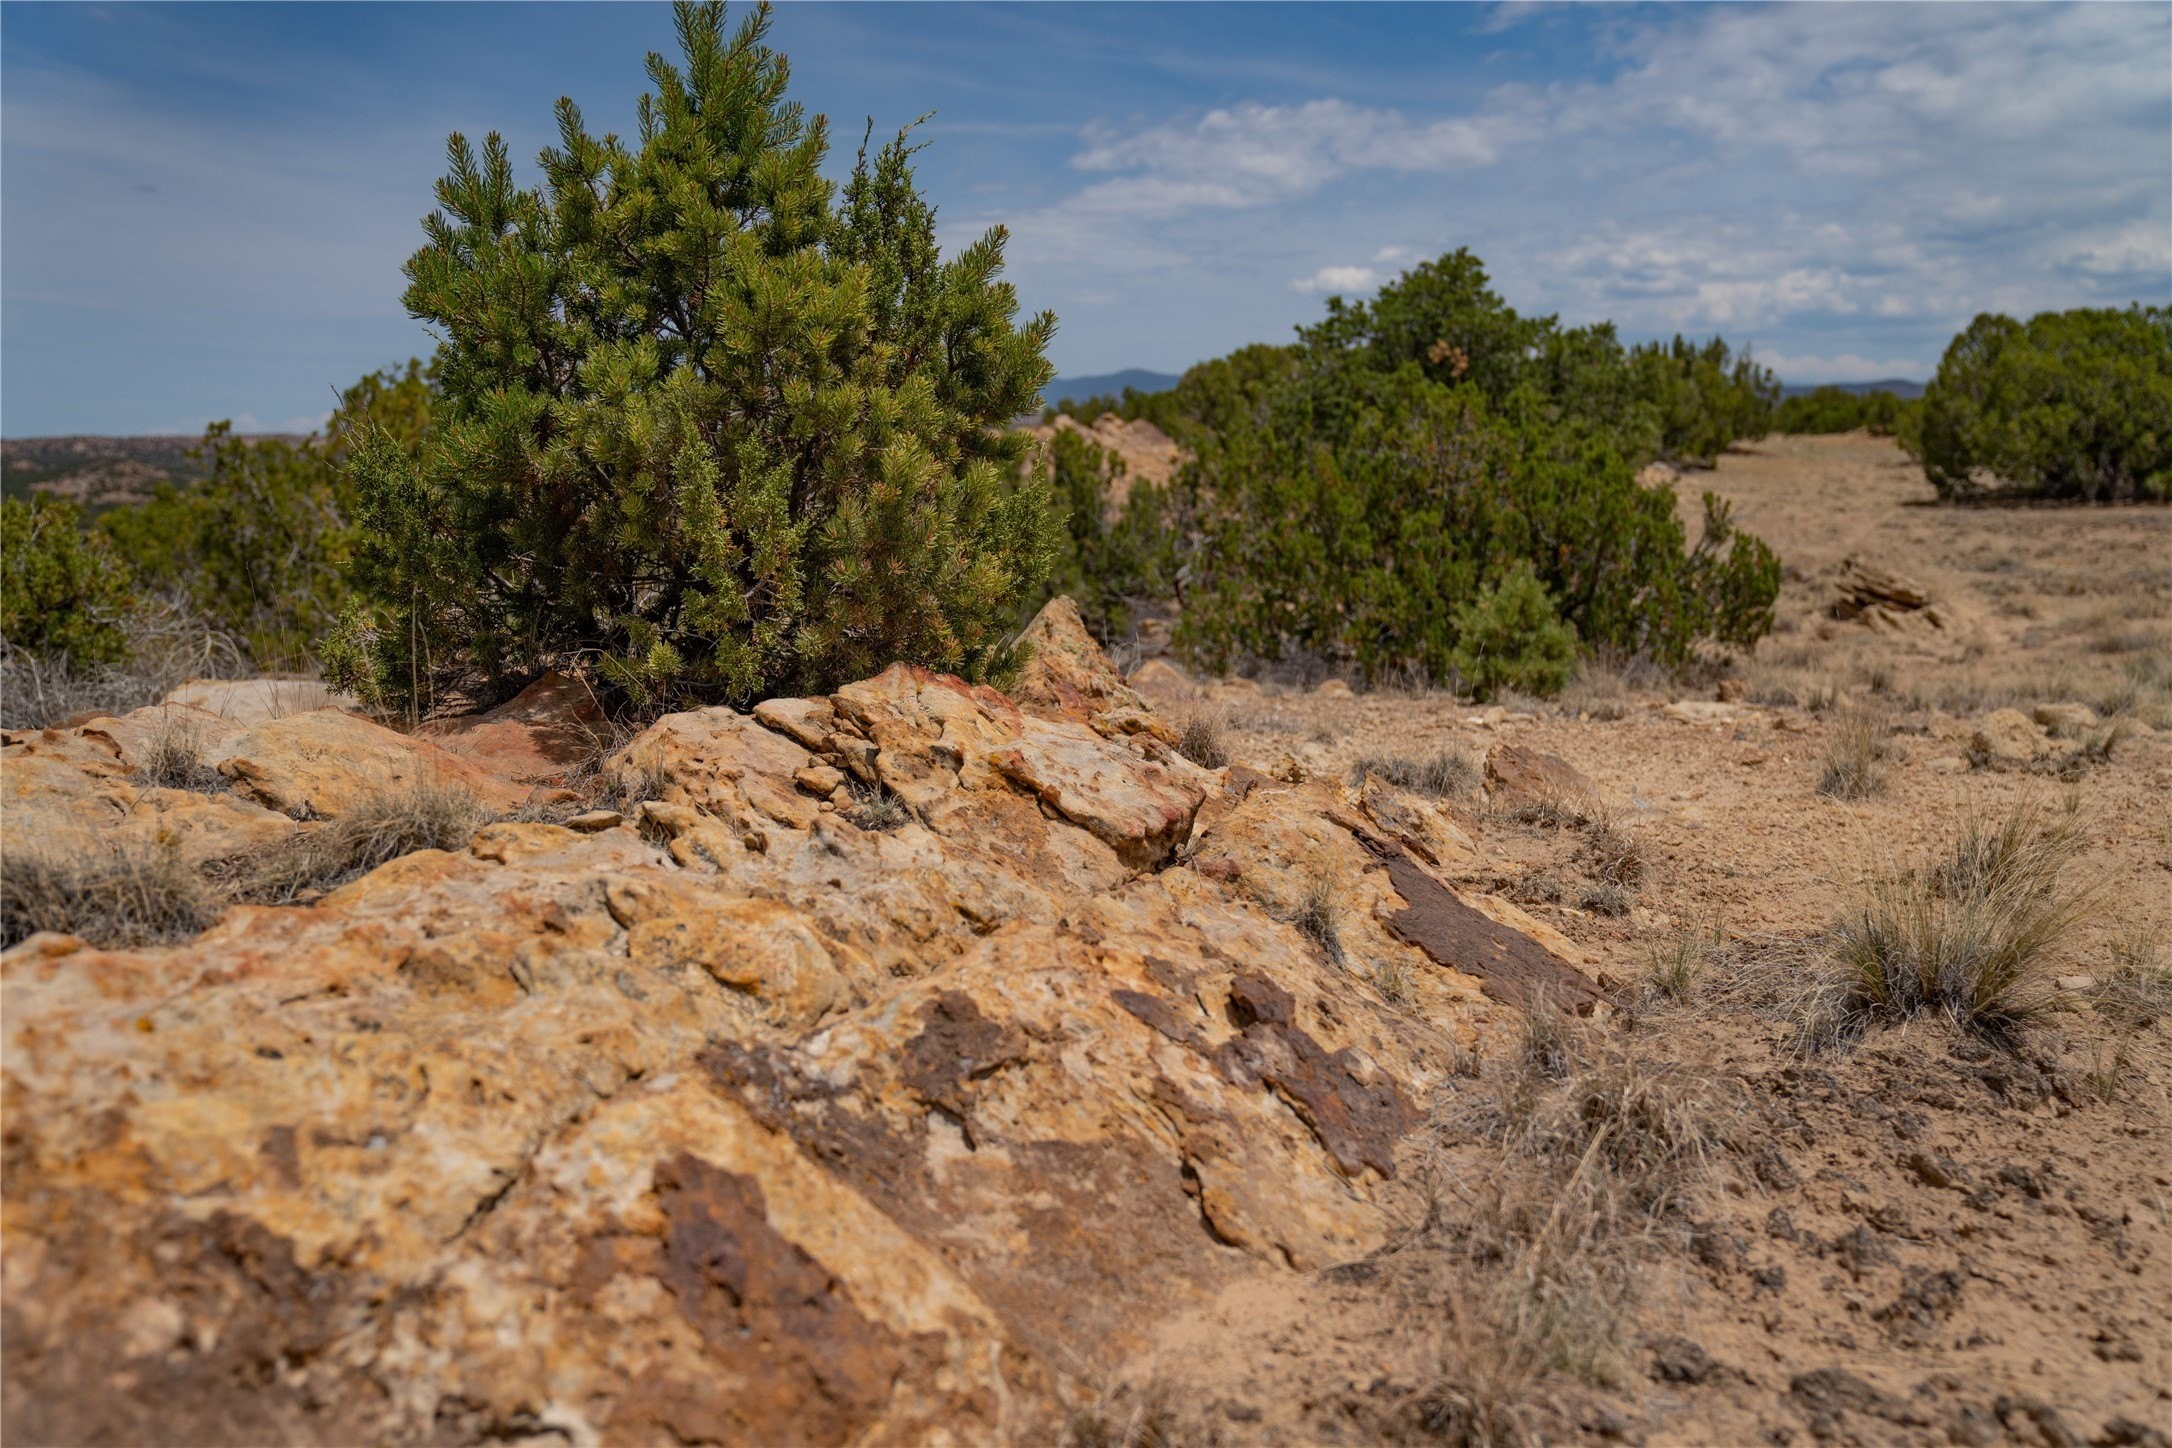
(103, 472)
(1108, 384)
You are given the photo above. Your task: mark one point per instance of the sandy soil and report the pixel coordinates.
(1942, 1239)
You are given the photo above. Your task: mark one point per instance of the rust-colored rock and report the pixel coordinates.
(325, 762)
(537, 737)
(733, 1116)
(1525, 779)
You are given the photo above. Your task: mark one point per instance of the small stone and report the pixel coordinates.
(1334, 689)
(595, 821)
(1947, 764)
(2007, 736)
(819, 779)
(2077, 982)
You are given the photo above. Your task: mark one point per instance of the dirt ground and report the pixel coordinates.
(1919, 1237)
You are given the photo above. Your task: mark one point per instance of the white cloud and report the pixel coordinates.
(2142, 247)
(1339, 279)
(1792, 172)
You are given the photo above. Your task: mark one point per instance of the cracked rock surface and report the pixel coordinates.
(738, 1121)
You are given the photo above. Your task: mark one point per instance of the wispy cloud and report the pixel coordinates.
(1770, 167)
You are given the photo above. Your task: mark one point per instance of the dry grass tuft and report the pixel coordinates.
(1614, 853)
(118, 896)
(176, 761)
(1591, 1156)
(1392, 981)
(1674, 966)
(1447, 774)
(2136, 992)
(1856, 751)
(1319, 915)
(876, 807)
(1199, 739)
(1967, 935)
(1121, 1419)
(1607, 899)
(421, 816)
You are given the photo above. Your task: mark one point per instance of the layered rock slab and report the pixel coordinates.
(737, 1122)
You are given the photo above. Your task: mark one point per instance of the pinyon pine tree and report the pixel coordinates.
(705, 423)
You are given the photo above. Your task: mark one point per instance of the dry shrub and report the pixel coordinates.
(167, 644)
(1319, 915)
(1966, 935)
(1856, 751)
(1592, 1156)
(1445, 774)
(425, 815)
(1199, 739)
(1614, 853)
(2136, 992)
(115, 896)
(175, 760)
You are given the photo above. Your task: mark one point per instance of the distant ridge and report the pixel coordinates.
(1112, 384)
(1108, 384)
(1900, 387)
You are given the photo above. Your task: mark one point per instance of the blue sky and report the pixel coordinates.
(204, 208)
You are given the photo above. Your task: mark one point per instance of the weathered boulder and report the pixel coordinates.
(740, 1119)
(1163, 682)
(1522, 779)
(65, 790)
(255, 701)
(2007, 736)
(1067, 676)
(537, 737)
(326, 762)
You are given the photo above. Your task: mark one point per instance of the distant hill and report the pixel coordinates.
(1900, 387)
(1110, 384)
(101, 472)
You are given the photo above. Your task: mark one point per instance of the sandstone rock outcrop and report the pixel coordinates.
(739, 1120)
(253, 701)
(1147, 454)
(1885, 601)
(538, 737)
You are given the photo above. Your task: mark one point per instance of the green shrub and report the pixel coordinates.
(63, 593)
(1705, 397)
(1351, 514)
(1834, 409)
(704, 421)
(257, 548)
(2071, 406)
(1110, 558)
(1509, 636)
